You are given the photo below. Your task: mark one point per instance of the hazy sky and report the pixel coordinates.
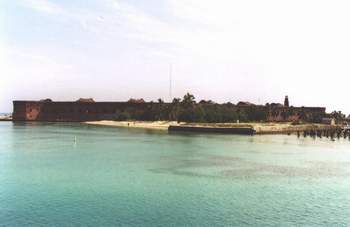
(224, 50)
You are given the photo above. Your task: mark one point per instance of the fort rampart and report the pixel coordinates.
(94, 111)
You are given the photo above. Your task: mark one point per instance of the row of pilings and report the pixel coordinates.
(331, 133)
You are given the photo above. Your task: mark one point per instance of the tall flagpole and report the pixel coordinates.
(170, 82)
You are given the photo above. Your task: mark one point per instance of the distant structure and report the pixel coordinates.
(83, 100)
(89, 110)
(245, 104)
(286, 101)
(328, 121)
(136, 100)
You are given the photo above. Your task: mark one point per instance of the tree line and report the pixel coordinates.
(188, 110)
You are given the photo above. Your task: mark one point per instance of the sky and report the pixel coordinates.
(223, 50)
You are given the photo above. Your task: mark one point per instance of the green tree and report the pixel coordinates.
(175, 109)
(187, 112)
(189, 100)
(338, 116)
(161, 110)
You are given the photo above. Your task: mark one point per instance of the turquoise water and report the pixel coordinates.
(131, 177)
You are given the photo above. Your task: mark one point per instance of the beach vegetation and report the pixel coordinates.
(207, 111)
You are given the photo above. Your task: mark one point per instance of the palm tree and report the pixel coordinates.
(176, 101)
(188, 100)
(160, 109)
(175, 109)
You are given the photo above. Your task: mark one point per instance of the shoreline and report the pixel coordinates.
(259, 128)
(5, 118)
(155, 125)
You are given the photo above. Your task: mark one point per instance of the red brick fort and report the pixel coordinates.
(88, 110)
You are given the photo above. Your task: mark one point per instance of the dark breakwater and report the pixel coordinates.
(225, 130)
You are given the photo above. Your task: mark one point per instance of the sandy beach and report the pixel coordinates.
(158, 125)
(260, 128)
(5, 118)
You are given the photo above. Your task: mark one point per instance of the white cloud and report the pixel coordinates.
(44, 6)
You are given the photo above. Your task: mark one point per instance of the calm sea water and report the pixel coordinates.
(131, 177)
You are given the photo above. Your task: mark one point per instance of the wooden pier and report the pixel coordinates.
(332, 133)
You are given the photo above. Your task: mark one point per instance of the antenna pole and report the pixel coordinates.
(170, 81)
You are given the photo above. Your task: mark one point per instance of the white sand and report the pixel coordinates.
(260, 128)
(160, 125)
